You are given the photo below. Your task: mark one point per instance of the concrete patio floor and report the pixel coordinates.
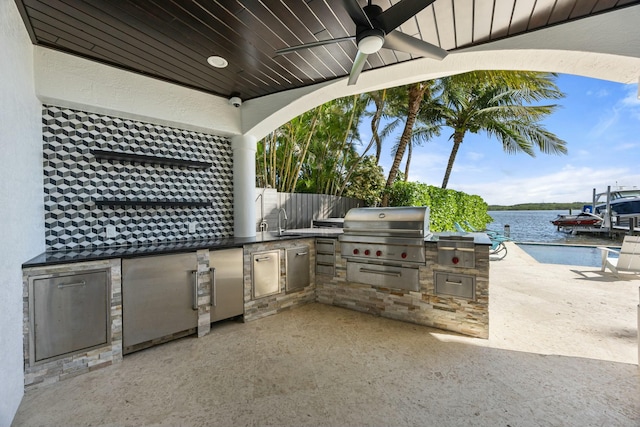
(562, 352)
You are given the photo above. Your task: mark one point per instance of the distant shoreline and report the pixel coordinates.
(539, 206)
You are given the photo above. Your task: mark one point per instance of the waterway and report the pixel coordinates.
(549, 243)
(535, 226)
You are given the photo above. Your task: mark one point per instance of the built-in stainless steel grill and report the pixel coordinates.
(385, 246)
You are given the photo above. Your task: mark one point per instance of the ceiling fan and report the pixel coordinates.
(376, 29)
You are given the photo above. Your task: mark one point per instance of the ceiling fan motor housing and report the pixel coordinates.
(370, 40)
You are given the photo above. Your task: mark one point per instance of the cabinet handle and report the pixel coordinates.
(265, 258)
(383, 273)
(213, 299)
(194, 277)
(69, 285)
(449, 282)
(301, 253)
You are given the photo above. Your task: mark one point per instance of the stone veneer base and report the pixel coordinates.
(468, 317)
(257, 308)
(69, 366)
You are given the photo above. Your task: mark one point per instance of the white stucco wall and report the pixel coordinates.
(70, 81)
(21, 196)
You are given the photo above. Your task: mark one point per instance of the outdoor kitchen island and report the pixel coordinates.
(389, 264)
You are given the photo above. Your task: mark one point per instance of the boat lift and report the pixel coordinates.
(612, 225)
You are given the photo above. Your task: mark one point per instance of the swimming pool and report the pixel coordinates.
(588, 256)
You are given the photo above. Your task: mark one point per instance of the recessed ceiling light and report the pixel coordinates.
(217, 61)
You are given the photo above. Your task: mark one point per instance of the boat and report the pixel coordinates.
(583, 219)
(621, 201)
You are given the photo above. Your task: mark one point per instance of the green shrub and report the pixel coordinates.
(446, 206)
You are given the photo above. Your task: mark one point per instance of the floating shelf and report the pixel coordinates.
(151, 203)
(144, 158)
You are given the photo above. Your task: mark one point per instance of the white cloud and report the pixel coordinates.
(626, 107)
(626, 146)
(475, 156)
(630, 102)
(602, 93)
(605, 124)
(631, 97)
(568, 185)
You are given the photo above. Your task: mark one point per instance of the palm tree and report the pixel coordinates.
(314, 151)
(408, 100)
(499, 103)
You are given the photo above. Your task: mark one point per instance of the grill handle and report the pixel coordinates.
(194, 278)
(377, 231)
(69, 285)
(213, 298)
(384, 273)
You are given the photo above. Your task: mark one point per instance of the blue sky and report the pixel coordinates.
(600, 120)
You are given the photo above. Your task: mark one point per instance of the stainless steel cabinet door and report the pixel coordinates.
(70, 312)
(227, 283)
(158, 297)
(265, 273)
(297, 268)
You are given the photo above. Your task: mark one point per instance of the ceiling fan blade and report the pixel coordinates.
(313, 44)
(356, 13)
(358, 65)
(400, 41)
(400, 12)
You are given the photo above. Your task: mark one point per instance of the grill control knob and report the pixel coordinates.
(367, 252)
(455, 260)
(356, 251)
(378, 253)
(403, 255)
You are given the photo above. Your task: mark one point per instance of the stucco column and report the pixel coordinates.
(244, 184)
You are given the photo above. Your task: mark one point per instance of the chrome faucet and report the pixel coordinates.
(282, 212)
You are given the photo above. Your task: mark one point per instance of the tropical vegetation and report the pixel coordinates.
(321, 150)
(499, 103)
(446, 206)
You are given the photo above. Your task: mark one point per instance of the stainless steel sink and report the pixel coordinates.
(284, 234)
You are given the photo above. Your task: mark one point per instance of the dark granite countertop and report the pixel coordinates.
(110, 252)
(101, 253)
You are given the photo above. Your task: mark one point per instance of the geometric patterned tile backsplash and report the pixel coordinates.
(74, 179)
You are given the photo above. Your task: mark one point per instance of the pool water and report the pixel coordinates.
(588, 256)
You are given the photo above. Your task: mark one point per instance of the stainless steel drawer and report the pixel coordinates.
(325, 246)
(69, 313)
(456, 285)
(454, 253)
(328, 270)
(386, 276)
(265, 273)
(325, 259)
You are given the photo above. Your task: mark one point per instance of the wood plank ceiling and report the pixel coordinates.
(172, 39)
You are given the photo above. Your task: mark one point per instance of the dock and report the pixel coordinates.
(613, 225)
(621, 225)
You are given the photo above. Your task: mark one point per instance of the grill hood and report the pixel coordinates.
(407, 222)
